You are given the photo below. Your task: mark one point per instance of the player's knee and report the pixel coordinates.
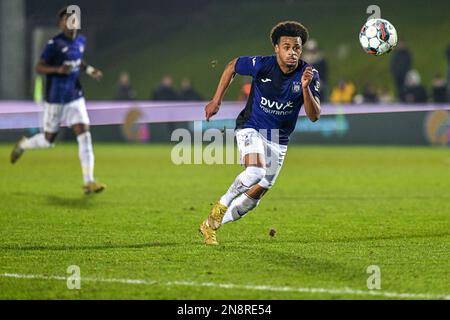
(256, 173)
(80, 129)
(266, 183)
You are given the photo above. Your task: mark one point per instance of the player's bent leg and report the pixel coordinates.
(252, 174)
(87, 159)
(51, 120)
(243, 182)
(38, 141)
(244, 203)
(250, 199)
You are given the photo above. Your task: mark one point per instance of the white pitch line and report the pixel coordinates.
(346, 291)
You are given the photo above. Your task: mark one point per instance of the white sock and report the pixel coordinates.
(249, 177)
(239, 207)
(86, 153)
(35, 142)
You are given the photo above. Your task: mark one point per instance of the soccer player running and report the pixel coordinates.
(61, 62)
(281, 84)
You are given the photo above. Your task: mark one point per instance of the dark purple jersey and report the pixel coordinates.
(275, 98)
(62, 88)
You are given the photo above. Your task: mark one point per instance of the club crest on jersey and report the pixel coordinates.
(296, 86)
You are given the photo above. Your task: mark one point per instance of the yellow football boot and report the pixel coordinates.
(216, 215)
(209, 234)
(93, 187)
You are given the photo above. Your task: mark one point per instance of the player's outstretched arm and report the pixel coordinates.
(311, 103)
(94, 73)
(43, 68)
(227, 76)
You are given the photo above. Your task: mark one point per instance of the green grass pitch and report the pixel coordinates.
(337, 210)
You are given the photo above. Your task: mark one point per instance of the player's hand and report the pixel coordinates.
(97, 75)
(307, 77)
(64, 69)
(211, 109)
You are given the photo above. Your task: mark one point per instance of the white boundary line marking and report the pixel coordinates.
(346, 291)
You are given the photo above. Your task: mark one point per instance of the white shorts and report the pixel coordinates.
(251, 141)
(69, 114)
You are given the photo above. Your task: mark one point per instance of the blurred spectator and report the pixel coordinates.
(165, 91)
(400, 65)
(370, 94)
(188, 93)
(358, 98)
(244, 93)
(414, 91)
(448, 62)
(448, 72)
(439, 87)
(384, 95)
(124, 91)
(343, 92)
(314, 56)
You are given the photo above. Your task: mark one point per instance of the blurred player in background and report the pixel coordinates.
(61, 61)
(281, 84)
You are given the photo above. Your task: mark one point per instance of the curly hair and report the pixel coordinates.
(288, 29)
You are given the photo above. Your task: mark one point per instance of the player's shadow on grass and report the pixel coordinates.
(382, 237)
(366, 238)
(360, 197)
(298, 261)
(83, 202)
(305, 264)
(64, 247)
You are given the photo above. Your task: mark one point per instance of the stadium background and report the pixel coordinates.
(195, 40)
(182, 38)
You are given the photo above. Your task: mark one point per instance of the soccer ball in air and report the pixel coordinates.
(378, 36)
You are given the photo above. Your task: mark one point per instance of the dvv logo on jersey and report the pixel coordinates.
(275, 104)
